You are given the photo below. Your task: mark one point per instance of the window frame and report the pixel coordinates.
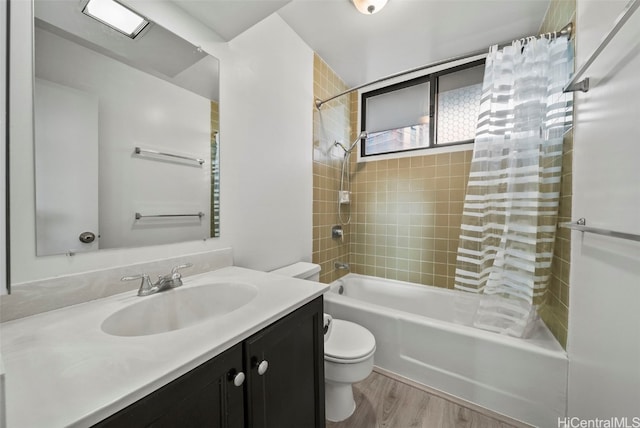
(432, 78)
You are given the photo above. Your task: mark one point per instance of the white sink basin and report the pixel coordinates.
(178, 308)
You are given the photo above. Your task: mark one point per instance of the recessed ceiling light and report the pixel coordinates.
(369, 7)
(116, 16)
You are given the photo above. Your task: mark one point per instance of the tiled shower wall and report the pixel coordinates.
(405, 213)
(331, 123)
(555, 312)
(407, 217)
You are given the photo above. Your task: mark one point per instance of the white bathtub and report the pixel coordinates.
(416, 337)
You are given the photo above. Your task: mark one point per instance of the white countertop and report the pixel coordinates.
(61, 369)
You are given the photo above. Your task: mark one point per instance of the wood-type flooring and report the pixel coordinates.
(384, 402)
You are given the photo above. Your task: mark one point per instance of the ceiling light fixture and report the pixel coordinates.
(369, 7)
(116, 16)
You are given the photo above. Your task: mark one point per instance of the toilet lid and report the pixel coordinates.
(349, 341)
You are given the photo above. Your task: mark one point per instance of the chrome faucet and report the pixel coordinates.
(165, 282)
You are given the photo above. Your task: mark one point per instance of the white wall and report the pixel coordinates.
(266, 98)
(266, 134)
(604, 343)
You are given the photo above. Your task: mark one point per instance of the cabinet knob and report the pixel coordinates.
(238, 379)
(262, 367)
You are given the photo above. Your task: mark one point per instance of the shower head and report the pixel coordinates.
(362, 135)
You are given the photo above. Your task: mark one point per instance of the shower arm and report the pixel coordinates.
(361, 136)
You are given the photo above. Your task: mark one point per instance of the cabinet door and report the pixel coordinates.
(290, 391)
(204, 397)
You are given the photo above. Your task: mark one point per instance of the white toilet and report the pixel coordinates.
(348, 352)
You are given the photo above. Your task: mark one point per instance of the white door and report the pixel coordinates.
(66, 152)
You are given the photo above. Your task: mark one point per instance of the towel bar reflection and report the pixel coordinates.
(139, 216)
(581, 225)
(140, 151)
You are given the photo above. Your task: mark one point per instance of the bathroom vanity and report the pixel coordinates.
(258, 365)
(280, 367)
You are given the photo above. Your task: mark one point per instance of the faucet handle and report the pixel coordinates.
(175, 269)
(146, 287)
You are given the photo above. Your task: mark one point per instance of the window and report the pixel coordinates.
(434, 110)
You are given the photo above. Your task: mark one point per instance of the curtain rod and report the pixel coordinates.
(567, 30)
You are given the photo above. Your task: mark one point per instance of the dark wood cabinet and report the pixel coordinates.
(290, 390)
(204, 397)
(287, 390)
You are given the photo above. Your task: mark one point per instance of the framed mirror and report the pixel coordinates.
(126, 132)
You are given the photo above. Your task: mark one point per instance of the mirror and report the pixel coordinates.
(126, 134)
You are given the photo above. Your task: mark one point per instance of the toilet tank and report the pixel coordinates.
(302, 270)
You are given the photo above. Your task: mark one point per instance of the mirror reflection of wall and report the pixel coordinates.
(100, 94)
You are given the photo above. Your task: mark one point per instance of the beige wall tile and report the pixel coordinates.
(555, 310)
(331, 123)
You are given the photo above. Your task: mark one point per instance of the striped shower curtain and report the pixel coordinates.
(511, 205)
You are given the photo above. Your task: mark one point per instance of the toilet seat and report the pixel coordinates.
(348, 343)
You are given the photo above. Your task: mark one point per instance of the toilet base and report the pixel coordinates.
(339, 402)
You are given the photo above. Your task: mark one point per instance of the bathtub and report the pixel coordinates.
(417, 338)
